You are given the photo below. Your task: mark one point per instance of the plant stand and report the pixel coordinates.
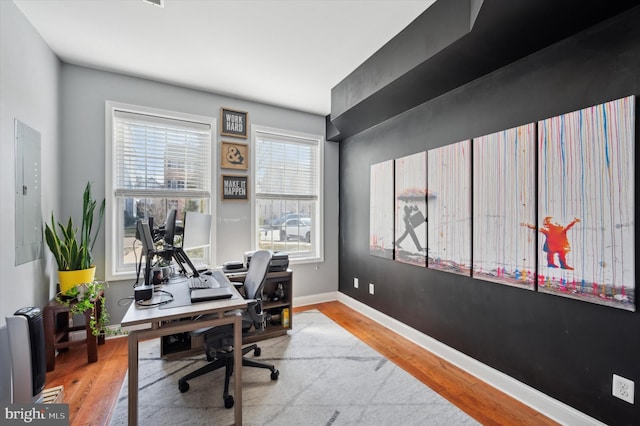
(57, 331)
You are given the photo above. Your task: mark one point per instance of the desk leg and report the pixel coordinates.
(133, 378)
(237, 368)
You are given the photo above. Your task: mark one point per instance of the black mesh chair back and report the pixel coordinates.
(257, 274)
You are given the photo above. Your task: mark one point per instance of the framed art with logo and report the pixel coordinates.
(234, 155)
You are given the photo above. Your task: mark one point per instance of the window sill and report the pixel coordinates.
(123, 276)
(305, 260)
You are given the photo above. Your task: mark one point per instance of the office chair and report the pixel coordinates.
(218, 341)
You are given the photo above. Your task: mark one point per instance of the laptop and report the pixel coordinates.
(205, 294)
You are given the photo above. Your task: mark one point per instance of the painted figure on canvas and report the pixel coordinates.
(410, 209)
(556, 241)
(586, 187)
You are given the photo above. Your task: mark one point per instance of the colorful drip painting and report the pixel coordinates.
(411, 209)
(504, 199)
(449, 209)
(381, 210)
(586, 204)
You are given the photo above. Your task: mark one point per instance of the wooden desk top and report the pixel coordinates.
(137, 315)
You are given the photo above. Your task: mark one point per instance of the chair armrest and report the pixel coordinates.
(254, 309)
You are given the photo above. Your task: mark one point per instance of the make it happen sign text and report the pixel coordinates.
(234, 187)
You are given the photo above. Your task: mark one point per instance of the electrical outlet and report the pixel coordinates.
(623, 388)
(355, 282)
(370, 288)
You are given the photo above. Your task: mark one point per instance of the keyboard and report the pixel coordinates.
(203, 281)
(200, 266)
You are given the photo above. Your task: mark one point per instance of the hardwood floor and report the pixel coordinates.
(484, 403)
(91, 390)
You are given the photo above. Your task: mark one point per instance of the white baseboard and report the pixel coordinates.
(315, 298)
(550, 407)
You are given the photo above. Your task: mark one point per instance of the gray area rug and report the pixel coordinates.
(327, 377)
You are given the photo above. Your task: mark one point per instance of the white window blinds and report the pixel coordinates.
(155, 155)
(286, 167)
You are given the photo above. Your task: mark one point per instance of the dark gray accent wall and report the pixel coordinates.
(565, 348)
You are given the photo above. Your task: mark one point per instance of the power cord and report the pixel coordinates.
(127, 300)
(142, 303)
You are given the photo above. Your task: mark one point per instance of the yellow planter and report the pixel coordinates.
(70, 279)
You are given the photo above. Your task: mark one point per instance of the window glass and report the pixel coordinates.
(287, 195)
(159, 161)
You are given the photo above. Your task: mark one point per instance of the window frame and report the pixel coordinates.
(112, 219)
(317, 254)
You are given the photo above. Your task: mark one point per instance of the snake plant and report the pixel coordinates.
(73, 253)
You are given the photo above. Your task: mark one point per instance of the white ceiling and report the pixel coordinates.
(282, 52)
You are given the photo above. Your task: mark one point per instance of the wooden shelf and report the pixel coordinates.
(272, 305)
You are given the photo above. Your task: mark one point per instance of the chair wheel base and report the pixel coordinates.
(183, 386)
(228, 401)
(275, 374)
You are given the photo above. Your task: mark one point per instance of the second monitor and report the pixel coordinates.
(197, 230)
(170, 227)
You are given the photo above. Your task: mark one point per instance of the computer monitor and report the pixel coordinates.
(197, 230)
(170, 227)
(144, 233)
(148, 249)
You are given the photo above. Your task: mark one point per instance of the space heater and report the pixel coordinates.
(28, 363)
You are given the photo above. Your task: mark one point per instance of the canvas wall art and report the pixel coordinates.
(586, 204)
(504, 201)
(449, 208)
(381, 224)
(411, 209)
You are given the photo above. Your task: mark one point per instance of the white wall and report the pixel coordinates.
(84, 92)
(66, 104)
(29, 91)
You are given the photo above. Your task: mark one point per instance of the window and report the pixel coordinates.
(156, 161)
(287, 186)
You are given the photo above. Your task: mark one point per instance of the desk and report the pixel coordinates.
(273, 309)
(157, 317)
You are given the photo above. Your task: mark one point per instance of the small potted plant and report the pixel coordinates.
(73, 252)
(82, 298)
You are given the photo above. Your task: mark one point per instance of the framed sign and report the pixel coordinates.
(234, 156)
(235, 187)
(234, 123)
